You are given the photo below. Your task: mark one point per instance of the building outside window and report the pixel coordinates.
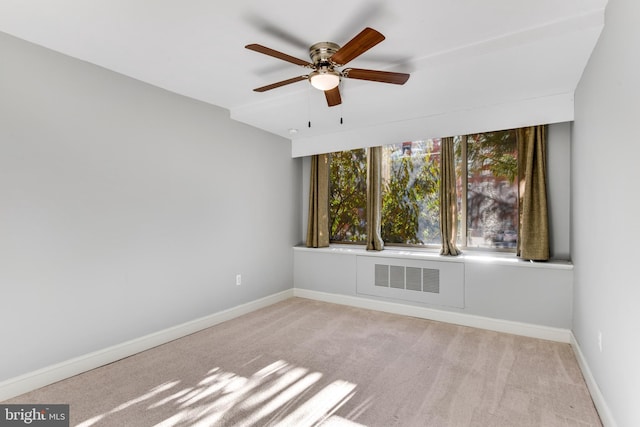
(491, 191)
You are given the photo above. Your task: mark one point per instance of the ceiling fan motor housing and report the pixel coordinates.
(321, 52)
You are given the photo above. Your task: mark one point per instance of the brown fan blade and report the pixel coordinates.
(358, 45)
(376, 76)
(282, 83)
(268, 51)
(333, 97)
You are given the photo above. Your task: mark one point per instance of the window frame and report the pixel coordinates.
(462, 214)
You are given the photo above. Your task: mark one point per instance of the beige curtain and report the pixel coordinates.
(318, 225)
(533, 232)
(448, 198)
(374, 199)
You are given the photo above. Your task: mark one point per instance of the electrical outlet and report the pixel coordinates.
(600, 341)
(238, 279)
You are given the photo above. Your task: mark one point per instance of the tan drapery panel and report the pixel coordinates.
(318, 226)
(374, 199)
(448, 198)
(533, 232)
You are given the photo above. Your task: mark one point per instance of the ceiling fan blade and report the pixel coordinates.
(376, 76)
(358, 45)
(268, 51)
(282, 83)
(263, 24)
(333, 96)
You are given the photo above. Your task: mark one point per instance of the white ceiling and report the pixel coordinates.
(463, 56)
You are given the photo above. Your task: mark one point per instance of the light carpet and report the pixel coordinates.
(303, 362)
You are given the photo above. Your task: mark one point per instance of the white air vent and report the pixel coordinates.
(408, 278)
(432, 282)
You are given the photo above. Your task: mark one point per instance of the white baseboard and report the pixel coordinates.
(596, 395)
(50, 374)
(463, 319)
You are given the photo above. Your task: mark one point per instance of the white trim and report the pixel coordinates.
(468, 256)
(596, 395)
(507, 326)
(50, 374)
(554, 108)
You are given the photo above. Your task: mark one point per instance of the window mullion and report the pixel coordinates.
(464, 186)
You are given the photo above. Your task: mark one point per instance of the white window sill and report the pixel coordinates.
(474, 256)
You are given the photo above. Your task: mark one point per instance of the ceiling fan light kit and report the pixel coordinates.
(326, 58)
(324, 79)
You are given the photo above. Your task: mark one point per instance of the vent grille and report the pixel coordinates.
(409, 278)
(396, 277)
(414, 279)
(431, 280)
(381, 275)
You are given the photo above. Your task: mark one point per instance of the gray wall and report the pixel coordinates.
(538, 294)
(605, 227)
(126, 209)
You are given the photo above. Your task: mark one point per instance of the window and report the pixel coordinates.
(348, 196)
(486, 169)
(410, 202)
(491, 190)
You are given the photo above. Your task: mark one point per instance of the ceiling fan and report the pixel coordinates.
(326, 60)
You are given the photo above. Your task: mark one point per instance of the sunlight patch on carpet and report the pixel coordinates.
(278, 394)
